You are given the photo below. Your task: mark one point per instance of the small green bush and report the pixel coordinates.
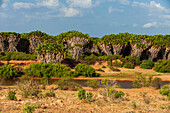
(11, 95)
(83, 69)
(91, 59)
(147, 64)
(8, 72)
(29, 109)
(156, 82)
(68, 84)
(93, 83)
(165, 90)
(129, 65)
(162, 66)
(82, 94)
(103, 66)
(134, 60)
(119, 94)
(50, 94)
(113, 68)
(117, 64)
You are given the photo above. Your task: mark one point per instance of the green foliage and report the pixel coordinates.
(165, 90)
(162, 66)
(103, 66)
(91, 59)
(93, 83)
(48, 70)
(11, 95)
(68, 83)
(156, 82)
(50, 94)
(50, 47)
(146, 82)
(16, 56)
(70, 34)
(134, 60)
(82, 94)
(83, 69)
(119, 94)
(8, 72)
(117, 64)
(129, 65)
(29, 109)
(147, 64)
(113, 68)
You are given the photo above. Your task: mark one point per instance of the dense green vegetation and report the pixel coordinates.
(165, 90)
(8, 72)
(162, 66)
(129, 65)
(85, 70)
(48, 70)
(147, 64)
(16, 56)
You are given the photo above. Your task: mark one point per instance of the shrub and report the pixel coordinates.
(134, 60)
(103, 66)
(100, 70)
(8, 72)
(113, 69)
(129, 65)
(119, 94)
(93, 83)
(28, 88)
(29, 109)
(82, 94)
(165, 90)
(147, 64)
(91, 59)
(156, 82)
(11, 95)
(48, 70)
(68, 84)
(117, 64)
(162, 66)
(83, 69)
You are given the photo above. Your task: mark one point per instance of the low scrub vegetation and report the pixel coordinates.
(29, 108)
(129, 65)
(83, 95)
(162, 66)
(48, 70)
(147, 64)
(113, 68)
(11, 95)
(93, 83)
(85, 70)
(17, 56)
(165, 90)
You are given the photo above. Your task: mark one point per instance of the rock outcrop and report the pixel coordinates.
(106, 49)
(34, 41)
(153, 53)
(13, 42)
(136, 51)
(3, 44)
(117, 49)
(76, 52)
(50, 57)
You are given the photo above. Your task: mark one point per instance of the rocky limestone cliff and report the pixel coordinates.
(76, 52)
(3, 44)
(153, 53)
(106, 49)
(167, 54)
(34, 41)
(117, 49)
(50, 57)
(136, 51)
(13, 42)
(94, 49)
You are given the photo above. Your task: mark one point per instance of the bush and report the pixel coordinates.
(119, 94)
(91, 59)
(50, 94)
(165, 90)
(147, 64)
(93, 83)
(129, 65)
(162, 66)
(68, 84)
(113, 69)
(156, 82)
(134, 60)
(83, 69)
(83, 95)
(103, 66)
(29, 109)
(48, 70)
(117, 64)
(11, 95)
(28, 88)
(8, 72)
